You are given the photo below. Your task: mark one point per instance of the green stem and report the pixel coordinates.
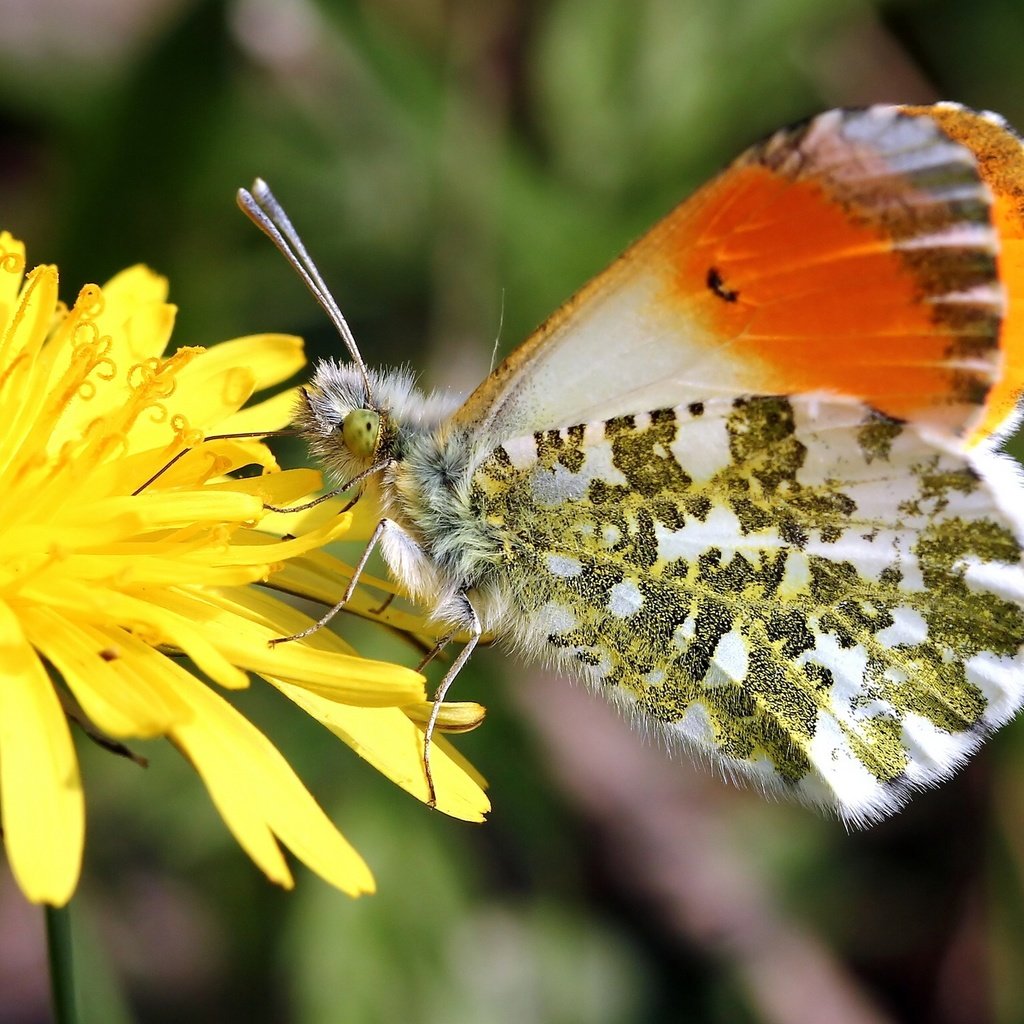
(62, 973)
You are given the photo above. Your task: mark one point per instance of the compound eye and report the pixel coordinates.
(360, 431)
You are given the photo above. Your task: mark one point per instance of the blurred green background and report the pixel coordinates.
(457, 169)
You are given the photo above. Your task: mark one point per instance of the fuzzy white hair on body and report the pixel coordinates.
(337, 389)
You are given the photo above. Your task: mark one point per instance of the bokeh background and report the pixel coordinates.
(458, 168)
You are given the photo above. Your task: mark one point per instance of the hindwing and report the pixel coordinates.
(809, 593)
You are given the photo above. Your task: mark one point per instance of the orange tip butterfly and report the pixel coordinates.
(745, 483)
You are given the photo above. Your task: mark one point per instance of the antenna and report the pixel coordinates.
(260, 206)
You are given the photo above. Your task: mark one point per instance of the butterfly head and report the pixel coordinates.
(343, 424)
(352, 430)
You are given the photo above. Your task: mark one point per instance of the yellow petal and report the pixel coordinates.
(132, 287)
(12, 268)
(138, 332)
(106, 673)
(212, 388)
(146, 570)
(363, 517)
(260, 797)
(394, 746)
(27, 328)
(323, 578)
(366, 514)
(247, 620)
(161, 510)
(190, 467)
(168, 617)
(40, 790)
(273, 414)
(275, 488)
(271, 358)
(454, 716)
(134, 292)
(209, 392)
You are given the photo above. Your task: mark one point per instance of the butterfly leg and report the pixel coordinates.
(381, 528)
(377, 467)
(213, 437)
(475, 631)
(435, 651)
(384, 606)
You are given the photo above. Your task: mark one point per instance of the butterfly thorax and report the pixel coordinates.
(441, 548)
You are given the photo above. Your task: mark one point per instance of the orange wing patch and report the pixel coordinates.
(874, 253)
(835, 309)
(853, 254)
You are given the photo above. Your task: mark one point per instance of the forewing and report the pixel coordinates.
(807, 593)
(998, 151)
(858, 253)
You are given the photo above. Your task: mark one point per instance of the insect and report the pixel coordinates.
(745, 483)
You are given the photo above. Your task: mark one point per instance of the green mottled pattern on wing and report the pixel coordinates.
(809, 592)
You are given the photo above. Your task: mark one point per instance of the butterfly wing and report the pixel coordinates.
(998, 151)
(865, 253)
(805, 592)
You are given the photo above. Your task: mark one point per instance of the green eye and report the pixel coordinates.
(361, 431)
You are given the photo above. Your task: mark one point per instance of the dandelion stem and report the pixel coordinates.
(62, 974)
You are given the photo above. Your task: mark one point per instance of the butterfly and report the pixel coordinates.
(746, 482)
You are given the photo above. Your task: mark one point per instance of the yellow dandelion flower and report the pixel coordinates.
(105, 584)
